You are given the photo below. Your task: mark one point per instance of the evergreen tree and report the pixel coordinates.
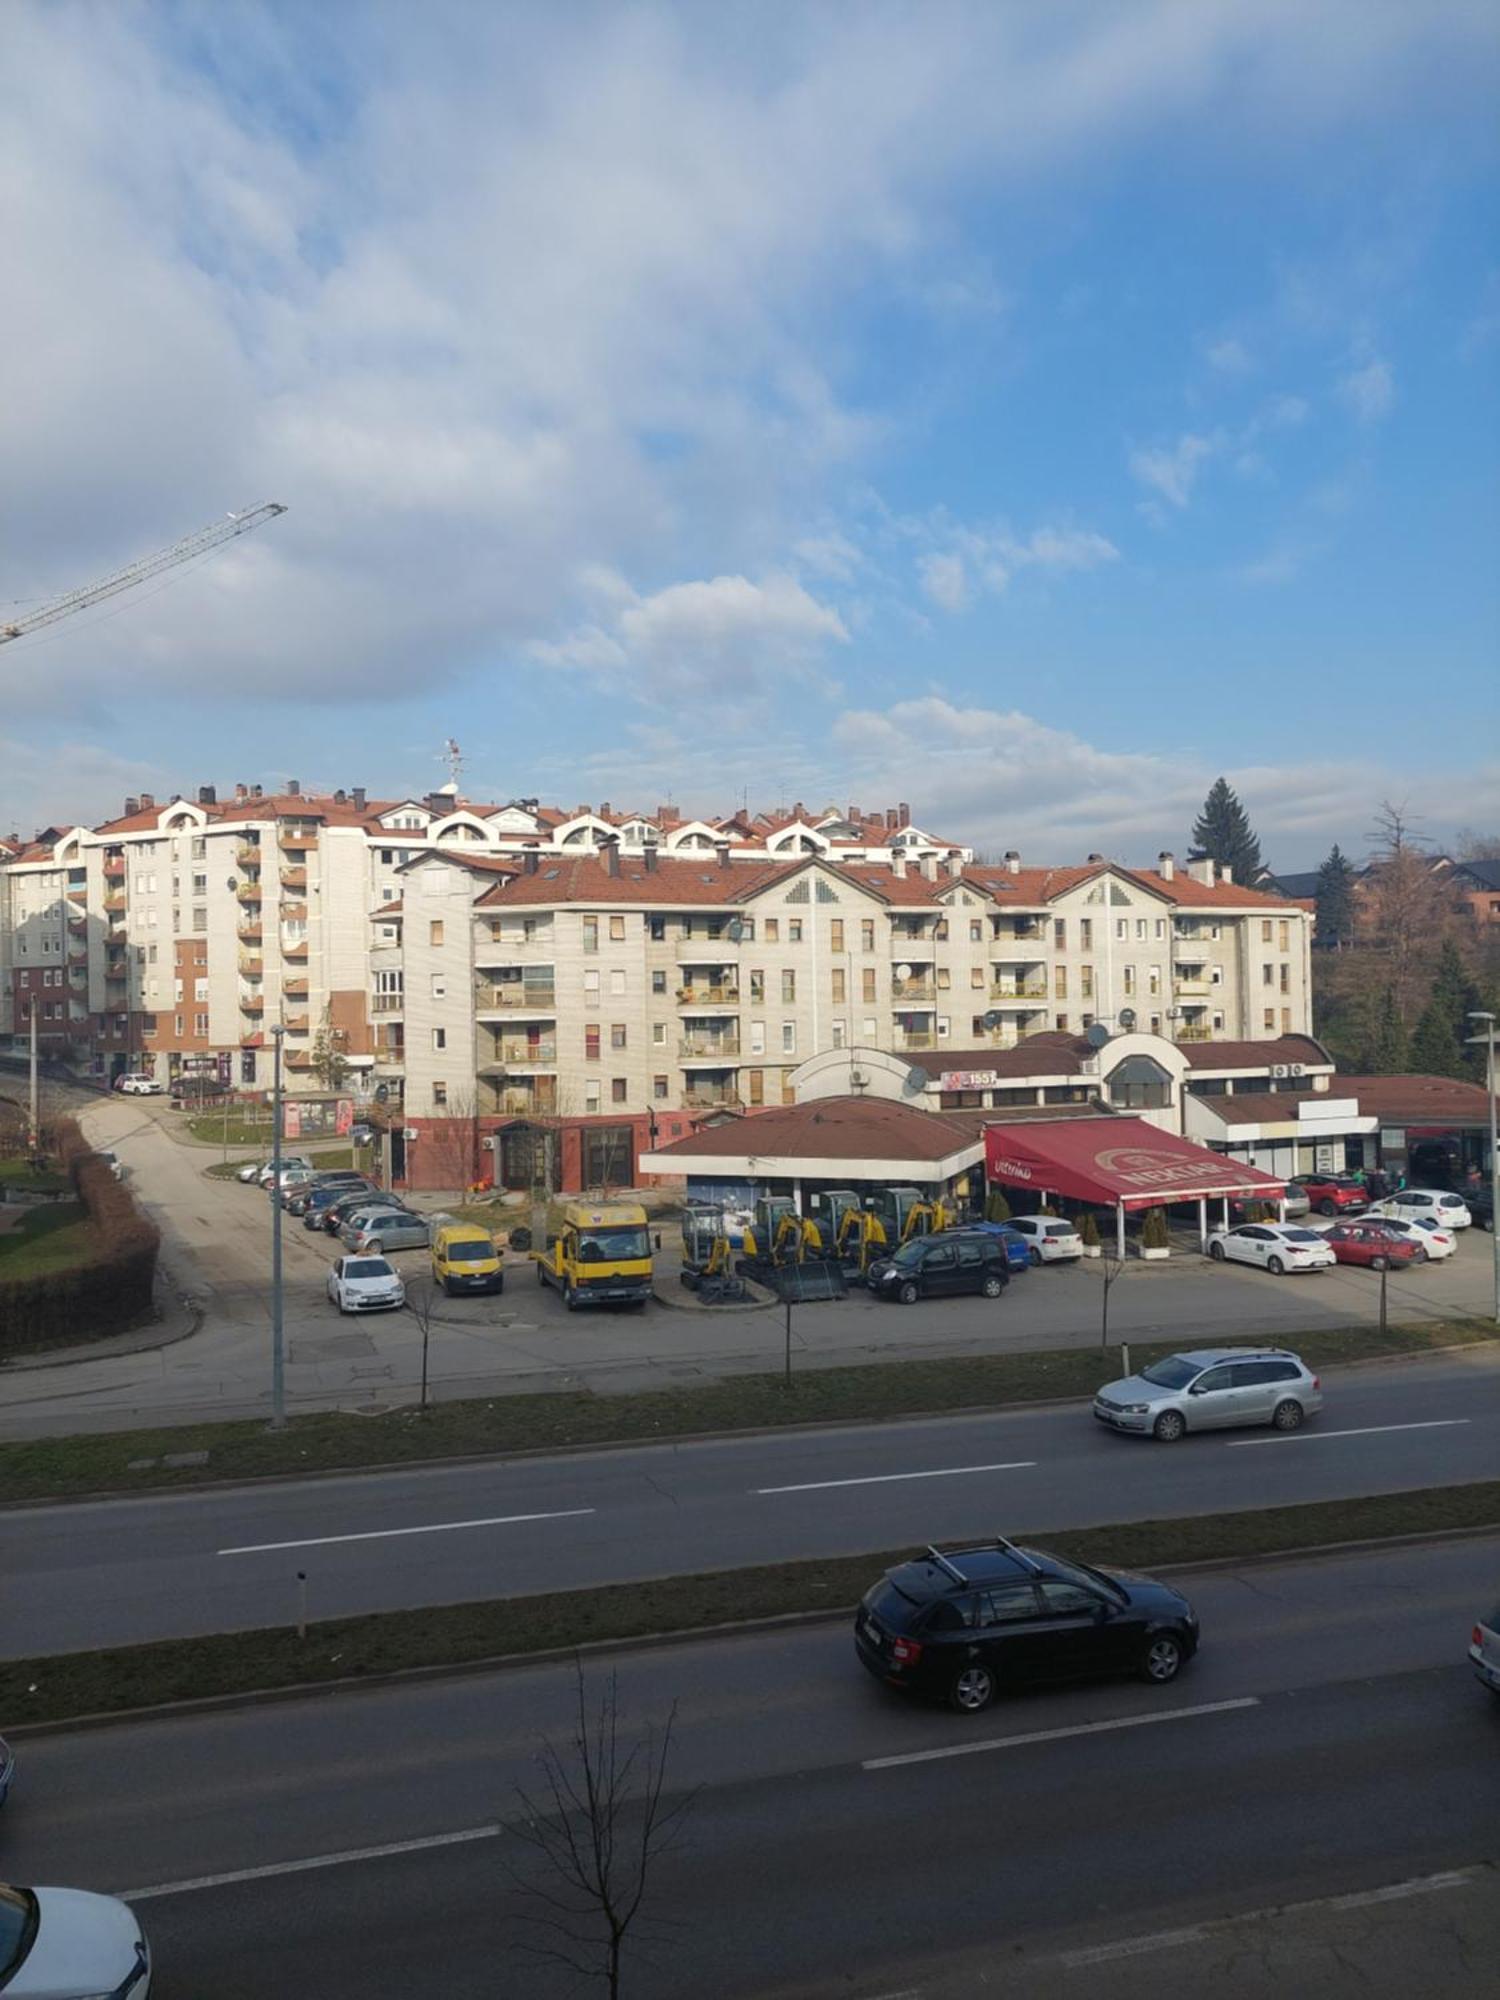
(1438, 1041)
(1223, 833)
(1435, 1049)
(1389, 1054)
(1336, 899)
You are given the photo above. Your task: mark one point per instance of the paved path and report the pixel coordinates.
(95, 1574)
(217, 1236)
(1327, 1743)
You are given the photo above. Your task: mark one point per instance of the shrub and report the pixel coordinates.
(996, 1207)
(1154, 1230)
(1088, 1227)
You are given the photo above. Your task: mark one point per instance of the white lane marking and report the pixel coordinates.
(1057, 1735)
(1397, 1892)
(385, 1534)
(885, 1478)
(1101, 1954)
(196, 1882)
(1366, 1430)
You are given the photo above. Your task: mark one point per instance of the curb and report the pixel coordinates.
(645, 1641)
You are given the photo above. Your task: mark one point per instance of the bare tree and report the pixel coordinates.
(598, 1821)
(452, 1143)
(1406, 912)
(421, 1303)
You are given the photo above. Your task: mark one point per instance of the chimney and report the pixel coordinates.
(1226, 873)
(1202, 870)
(1096, 857)
(891, 819)
(604, 809)
(1166, 865)
(721, 853)
(148, 803)
(955, 866)
(294, 788)
(855, 815)
(207, 795)
(898, 867)
(256, 792)
(650, 860)
(799, 811)
(928, 865)
(242, 791)
(132, 806)
(611, 856)
(339, 797)
(438, 802)
(905, 812)
(1012, 861)
(530, 861)
(358, 796)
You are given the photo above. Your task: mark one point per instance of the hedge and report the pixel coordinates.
(111, 1289)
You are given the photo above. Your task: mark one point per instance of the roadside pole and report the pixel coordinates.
(33, 1100)
(1487, 1034)
(278, 1359)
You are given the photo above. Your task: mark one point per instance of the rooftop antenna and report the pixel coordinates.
(453, 757)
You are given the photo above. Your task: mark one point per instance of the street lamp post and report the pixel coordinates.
(1487, 1034)
(278, 1353)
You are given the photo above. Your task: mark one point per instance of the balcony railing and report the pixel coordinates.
(517, 999)
(520, 1055)
(252, 965)
(1194, 1035)
(906, 990)
(78, 926)
(294, 989)
(248, 892)
(118, 970)
(294, 878)
(249, 931)
(707, 951)
(115, 901)
(298, 1059)
(708, 996)
(905, 1043)
(252, 1003)
(381, 1003)
(114, 868)
(247, 854)
(526, 1103)
(296, 951)
(1189, 986)
(295, 1024)
(1019, 989)
(711, 1100)
(293, 913)
(294, 838)
(709, 1048)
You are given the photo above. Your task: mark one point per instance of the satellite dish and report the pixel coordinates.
(734, 930)
(916, 1079)
(993, 1018)
(903, 971)
(1127, 1017)
(1096, 1035)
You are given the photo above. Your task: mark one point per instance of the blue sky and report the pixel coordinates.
(1028, 413)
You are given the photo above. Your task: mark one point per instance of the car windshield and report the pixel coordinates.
(18, 1918)
(908, 1255)
(469, 1252)
(1171, 1372)
(368, 1267)
(601, 1246)
(1080, 1573)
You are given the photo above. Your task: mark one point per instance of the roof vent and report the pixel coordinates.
(1096, 857)
(1012, 861)
(294, 787)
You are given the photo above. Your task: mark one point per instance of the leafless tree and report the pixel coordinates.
(421, 1303)
(598, 1820)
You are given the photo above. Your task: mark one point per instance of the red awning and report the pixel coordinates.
(1112, 1160)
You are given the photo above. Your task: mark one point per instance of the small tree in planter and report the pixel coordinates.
(1155, 1242)
(996, 1207)
(1088, 1234)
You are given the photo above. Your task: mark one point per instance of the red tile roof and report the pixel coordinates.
(1416, 1100)
(674, 880)
(833, 1128)
(1257, 1055)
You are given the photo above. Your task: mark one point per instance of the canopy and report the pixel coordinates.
(1119, 1161)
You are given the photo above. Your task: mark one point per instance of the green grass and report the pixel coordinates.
(50, 1468)
(20, 1174)
(49, 1689)
(53, 1238)
(324, 1158)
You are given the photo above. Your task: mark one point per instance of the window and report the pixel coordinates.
(757, 1038)
(976, 978)
(591, 1095)
(773, 930)
(838, 994)
(591, 1043)
(1059, 982)
(1007, 1605)
(1161, 927)
(617, 983)
(200, 989)
(200, 1024)
(1268, 974)
(440, 1038)
(788, 987)
(1059, 1598)
(867, 933)
(757, 1086)
(1060, 933)
(660, 1087)
(1086, 933)
(1286, 1020)
(794, 930)
(177, 1024)
(1268, 1020)
(1140, 927)
(789, 1038)
(657, 926)
(1266, 932)
(617, 930)
(1139, 1084)
(200, 848)
(757, 988)
(439, 1094)
(869, 1027)
(617, 1087)
(1086, 982)
(840, 1034)
(591, 933)
(867, 984)
(617, 1034)
(1122, 928)
(1062, 1021)
(591, 989)
(200, 918)
(1216, 975)
(658, 1034)
(1286, 979)
(200, 885)
(658, 982)
(435, 931)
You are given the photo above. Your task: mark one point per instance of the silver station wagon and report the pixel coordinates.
(1211, 1389)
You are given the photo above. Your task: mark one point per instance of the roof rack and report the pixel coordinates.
(943, 1563)
(1020, 1555)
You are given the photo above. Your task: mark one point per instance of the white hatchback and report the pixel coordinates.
(1436, 1238)
(1277, 1247)
(365, 1284)
(69, 1944)
(1049, 1239)
(1426, 1205)
(140, 1086)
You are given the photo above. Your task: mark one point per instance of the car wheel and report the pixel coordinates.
(1162, 1660)
(1276, 1268)
(1287, 1416)
(568, 1299)
(908, 1294)
(1034, 1254)
(376, 1249)
(541, 1275)
(1168, 1427)
(1328, 1208)
(1379, 1263)
(973, 1689)
(1419, 1255)
(993, 1287)
(1216, 1251)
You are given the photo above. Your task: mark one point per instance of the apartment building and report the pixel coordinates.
(614, 988)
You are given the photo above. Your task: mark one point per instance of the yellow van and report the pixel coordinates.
(464, 1259)
(600, 1256)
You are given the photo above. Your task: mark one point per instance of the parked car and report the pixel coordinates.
(464, 1259)
(1275, 1246)
(1334, 1194)
(1375, 1245)
(941, 1266)
(1211, 1388)
(252, 1170)
(290, 1163)
(313, 1203)
(195, 1089)
(7, 1770)
(1017, 1250)
(1480, 1202)
(1484, 1650)
(365, 1284)
(377, 1229)
(295, 1185)
(1049, 1239)
(138, 1086)
(1428, 1204)
(338, 1212)
(69, 1944)
(965, 1626)
(1436, 1238)
(1295, 1203)
(332, 1185)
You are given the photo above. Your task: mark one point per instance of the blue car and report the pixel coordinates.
(1017, 1250)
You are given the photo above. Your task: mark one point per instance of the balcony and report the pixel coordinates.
(296, 840)
(298, 1059)
(114, 902)
(119, 970)
(701, 1098)
(514, 998)
(78, 958)
(1189, 986)
(1019, 989)
(390, 1056)
(294, 878)
(251, 965)
(248, 892)
(78, 926)
(510, 947)
(701, 950)
(295, 1024)
(520, 1101)
(294, 989)
(1026, 929)
(905, 991)
(296, 951)
(247, 854)
(249, 931)
(114, 868)
(913, 1043)
(252, 1003)
(723, 1050)
(252, 1039)
(708, 996)
(380, 1003)
(1193, 1034)
(293, 913)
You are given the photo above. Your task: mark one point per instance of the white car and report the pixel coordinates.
(365, 1284)
(291, 1163)
(1049, 1239)
(68, 1944)
(252, 1170)
(1436, 1238)
(140, 1086)
(1432, 1204)
(1277, 1247)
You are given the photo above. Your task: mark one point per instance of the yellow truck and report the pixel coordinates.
(600, 1256)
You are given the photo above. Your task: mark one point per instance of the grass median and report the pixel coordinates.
(137, 1461)
(64, 1685)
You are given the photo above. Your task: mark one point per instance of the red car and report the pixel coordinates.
(1372, 1244)
(1333, 1194)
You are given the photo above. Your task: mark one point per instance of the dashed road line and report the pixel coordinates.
(888, 1478)
(1058, 1735)
(386, 1534)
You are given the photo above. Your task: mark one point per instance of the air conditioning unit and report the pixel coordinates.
(490, 1143)
(1298, 1069)
(1280, 1069)
(858, 1078)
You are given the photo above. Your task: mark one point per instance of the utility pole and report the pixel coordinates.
(278, 1354)
(33, 1101)
(1487, 1034)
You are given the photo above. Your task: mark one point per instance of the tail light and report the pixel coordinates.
(1317, 1381)
(1476, 1637)
(906, 1652)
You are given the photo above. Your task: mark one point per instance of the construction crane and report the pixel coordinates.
(139, 572)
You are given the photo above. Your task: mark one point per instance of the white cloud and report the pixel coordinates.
(1172, 471)
(1368, 391)
(1231, 357)
(945, 581)
(967, 559)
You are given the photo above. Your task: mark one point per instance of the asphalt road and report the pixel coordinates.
(1328, 1741)
(217, 1248)
(99, 1573)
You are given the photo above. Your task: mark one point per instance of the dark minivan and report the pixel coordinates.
(937, 1266)
(968, 1625)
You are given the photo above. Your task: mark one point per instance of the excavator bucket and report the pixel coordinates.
(814, 1279)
